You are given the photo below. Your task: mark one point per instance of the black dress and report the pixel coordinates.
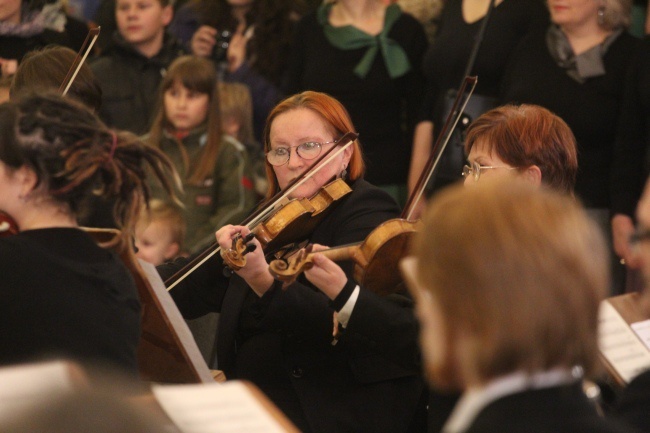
(591, 109)
(61, 295)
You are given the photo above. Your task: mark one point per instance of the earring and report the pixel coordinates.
(344, 173)
(601, 15)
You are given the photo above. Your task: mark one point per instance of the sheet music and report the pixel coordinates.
(642, 330)
(25, 386)
(215, 408)
(619, 344)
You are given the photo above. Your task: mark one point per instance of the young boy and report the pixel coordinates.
(160, 232)
(133, 64)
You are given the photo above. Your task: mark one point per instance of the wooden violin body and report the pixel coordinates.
(293, 222)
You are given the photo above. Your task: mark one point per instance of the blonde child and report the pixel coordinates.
(237, 123)
(159, 232)
(216, 172)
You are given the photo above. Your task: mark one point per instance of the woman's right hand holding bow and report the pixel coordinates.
(256, 270)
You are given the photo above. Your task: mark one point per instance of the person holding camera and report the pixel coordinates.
(251, 39)
(131, 68)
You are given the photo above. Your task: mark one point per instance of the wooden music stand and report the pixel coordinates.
(167, 352)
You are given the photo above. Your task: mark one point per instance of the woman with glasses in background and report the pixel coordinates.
(280, 338)
(526, 141)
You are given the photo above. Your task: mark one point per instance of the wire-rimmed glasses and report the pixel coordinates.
(307, 150)
(475, 168)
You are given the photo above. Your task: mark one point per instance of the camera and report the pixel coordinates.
(220, 50)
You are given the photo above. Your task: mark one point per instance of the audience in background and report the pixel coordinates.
(216, 169)
(46, 69)
(368, 55)
(26, 25)
(446, 61)
(576, 67)
(255, 48)
(132, 66)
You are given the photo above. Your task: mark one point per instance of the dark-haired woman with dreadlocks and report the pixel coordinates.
(62, 295)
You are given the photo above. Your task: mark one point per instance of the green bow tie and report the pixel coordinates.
(350, 38)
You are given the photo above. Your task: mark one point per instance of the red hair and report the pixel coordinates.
(332, 112)
(527, 135)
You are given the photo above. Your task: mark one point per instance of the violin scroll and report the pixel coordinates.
(287, 270)
(233, 257)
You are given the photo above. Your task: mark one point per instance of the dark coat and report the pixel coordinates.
(130, 82)
(368, 382)
(560, 409)
(633, 407)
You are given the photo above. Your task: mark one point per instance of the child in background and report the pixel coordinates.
(133, 64)
(216, 172)
(236, 107)
(159, 232)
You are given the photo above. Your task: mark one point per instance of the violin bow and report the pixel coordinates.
(269, 206)
(79, 60)
(462, 98)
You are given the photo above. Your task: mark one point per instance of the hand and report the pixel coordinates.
(326, 274)
(237, 48)
(622, 229)
(203, 41)
(8, 67)
(256, 271)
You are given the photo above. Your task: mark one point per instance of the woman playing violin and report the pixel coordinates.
(61, 294)
(280, 338)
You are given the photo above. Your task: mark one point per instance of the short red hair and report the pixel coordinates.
(334, 114)
(527, 135)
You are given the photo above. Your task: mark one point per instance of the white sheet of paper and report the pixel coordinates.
(215, 408)
(620, 345)
(642, 330)
(25, 386)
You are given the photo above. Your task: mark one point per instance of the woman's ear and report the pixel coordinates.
(27, 178)
(532, 174)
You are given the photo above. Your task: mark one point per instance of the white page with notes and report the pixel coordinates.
(620, 345)
(230, 407)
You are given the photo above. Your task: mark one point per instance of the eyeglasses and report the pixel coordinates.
(307, 150)
(475, 169)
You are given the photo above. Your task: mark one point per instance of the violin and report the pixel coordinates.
(274, 226)
(376, 256)
(296, 220)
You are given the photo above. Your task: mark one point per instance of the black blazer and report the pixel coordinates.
(368, 382)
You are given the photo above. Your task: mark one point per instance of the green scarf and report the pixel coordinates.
(350, 38)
